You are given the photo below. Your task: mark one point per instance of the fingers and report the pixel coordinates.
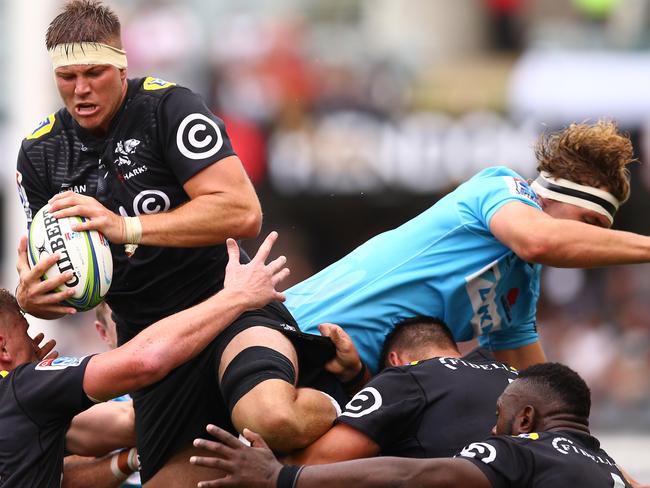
(254, 438)
(38, 338)
(212, 446)
(52, 355)
(211, 462)
(280, 276)
(277, 264)
(233, 251)
(46, 349)
(265, 248)
(224, 437)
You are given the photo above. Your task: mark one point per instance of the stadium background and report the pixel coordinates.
(352, 116)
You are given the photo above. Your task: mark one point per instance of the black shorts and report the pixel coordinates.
(170, 414)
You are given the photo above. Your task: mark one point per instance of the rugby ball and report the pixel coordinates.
(87, 254)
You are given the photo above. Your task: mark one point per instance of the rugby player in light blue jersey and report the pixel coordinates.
(474, 258)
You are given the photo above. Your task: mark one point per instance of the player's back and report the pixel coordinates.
(444, 263)
(431, 408)
(546, 460)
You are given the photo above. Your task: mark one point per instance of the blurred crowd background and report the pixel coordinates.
(351, 116)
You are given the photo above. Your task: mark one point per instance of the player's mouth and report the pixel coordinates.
(86, 109)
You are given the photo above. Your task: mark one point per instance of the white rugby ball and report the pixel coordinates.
(86, 253)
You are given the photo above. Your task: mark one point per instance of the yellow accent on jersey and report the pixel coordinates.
(43, 128)
(4, 373)
(151, 83)
(413, 363)
(532, 436)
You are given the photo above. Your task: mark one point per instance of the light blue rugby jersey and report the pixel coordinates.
(444, 263)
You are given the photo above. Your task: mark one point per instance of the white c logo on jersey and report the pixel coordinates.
(481, 451)
(150, 202)
(366, 401)
(203, 140)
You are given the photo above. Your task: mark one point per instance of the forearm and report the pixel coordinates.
(101, 429)
(202, 221)
(380, 472)
(579, 245)
(161, 347)
(81, 472)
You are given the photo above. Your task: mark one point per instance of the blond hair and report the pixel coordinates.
(594, 155)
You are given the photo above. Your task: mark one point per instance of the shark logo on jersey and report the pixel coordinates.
(366, 401)
(480, 450)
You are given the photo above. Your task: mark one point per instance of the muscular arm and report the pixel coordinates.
(391, 472)
(536, 237)
(161, 347)
(222, 204)
(257, 466)
(522, 357)
(81, 472)
(102, 429)
(340, 443)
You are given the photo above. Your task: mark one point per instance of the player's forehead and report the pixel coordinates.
(80, 69)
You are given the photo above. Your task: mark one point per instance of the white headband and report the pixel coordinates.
(87, 53)
(583, 196)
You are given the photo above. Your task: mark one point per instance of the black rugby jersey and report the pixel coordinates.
(545, 460)
(429, 409)
(161, 136)
(37, 403)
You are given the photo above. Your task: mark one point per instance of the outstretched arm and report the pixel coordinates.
(257, 467)
(168, 343)
(538, 238)
(522, 357)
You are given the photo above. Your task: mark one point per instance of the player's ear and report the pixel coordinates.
(525, 420)
(394, 359)
(5, 357)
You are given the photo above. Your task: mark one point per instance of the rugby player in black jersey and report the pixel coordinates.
(430, 404)
(541, 439)
(153, 169)
(38, 398)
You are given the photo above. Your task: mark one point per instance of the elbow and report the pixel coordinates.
(535, 249)
(251, 222)
(148, 369)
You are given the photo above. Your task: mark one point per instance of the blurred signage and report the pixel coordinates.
(354, 151)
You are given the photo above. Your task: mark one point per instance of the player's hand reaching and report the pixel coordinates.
(253, 467)
(35, 296)
(346, 364)
(46, 350)
(70, 204)
(255, 282)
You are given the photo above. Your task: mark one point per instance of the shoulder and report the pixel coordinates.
(46, 128)
(158, 88)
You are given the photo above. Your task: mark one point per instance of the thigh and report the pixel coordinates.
(174, 411)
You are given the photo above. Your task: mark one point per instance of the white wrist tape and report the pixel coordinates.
(124, 462)
(132, 230)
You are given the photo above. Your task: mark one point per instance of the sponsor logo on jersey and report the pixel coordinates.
(567, 446)
(455, 363)
(151, 83)
(43, 127)
(81, 189)
(198, 137)
(59, 363)
(4, 374)
(148, 202)
(366, 401)
(288, 327)
(481, 289)
(520, 187)
(480, 450)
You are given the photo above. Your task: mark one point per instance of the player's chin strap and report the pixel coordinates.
(584, 196)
